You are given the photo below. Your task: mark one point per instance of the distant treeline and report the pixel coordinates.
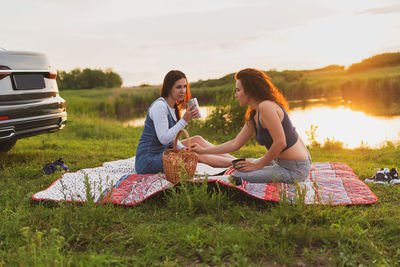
(375, 76)
(306, 84)
(87, 79)
(382, 60)
(293, 84)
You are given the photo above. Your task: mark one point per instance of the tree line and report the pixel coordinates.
(377, 61)
(329, 81)
(87, 79)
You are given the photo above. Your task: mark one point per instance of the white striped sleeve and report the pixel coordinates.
(159, 114)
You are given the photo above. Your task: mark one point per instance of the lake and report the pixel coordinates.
(337, 122)
(204, 111)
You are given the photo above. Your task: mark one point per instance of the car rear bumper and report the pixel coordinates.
(28, 119)
(25, 127)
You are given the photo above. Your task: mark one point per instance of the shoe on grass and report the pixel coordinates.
(394, 174)
(61, 163)
(385, 176)
(49, 168)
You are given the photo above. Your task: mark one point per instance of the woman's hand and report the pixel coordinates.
(247, 166)
(190, 114)
(197, 148)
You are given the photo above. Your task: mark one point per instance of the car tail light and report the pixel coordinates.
(51, 75)
(3, 118)
(4, 74)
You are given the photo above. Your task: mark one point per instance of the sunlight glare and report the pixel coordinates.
(345, 125)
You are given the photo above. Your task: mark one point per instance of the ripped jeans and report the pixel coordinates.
(280, 171)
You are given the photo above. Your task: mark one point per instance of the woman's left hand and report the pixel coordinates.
(247, 166)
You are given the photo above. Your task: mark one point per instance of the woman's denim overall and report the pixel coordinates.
(149, 152)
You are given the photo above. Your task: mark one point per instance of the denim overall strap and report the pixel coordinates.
(149, 150)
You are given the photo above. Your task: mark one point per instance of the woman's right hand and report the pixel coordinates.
(197, 148)
(190, 114)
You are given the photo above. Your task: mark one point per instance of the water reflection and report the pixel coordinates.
(204, 112)
(377, 108)
(345, 125)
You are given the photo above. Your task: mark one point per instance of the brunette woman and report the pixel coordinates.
(164, 121)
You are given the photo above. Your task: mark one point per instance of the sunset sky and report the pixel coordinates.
(143, 40)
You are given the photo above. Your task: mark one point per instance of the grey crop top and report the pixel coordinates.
(263, 136)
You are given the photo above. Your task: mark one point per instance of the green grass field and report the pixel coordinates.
(193, 226)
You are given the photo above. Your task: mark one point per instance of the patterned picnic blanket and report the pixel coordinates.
(329, 183)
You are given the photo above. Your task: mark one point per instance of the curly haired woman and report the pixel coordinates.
(287, 159)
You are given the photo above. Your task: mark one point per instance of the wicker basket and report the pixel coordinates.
(179, 163)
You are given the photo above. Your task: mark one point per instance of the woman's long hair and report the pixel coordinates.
(258, 85)
(169, 81)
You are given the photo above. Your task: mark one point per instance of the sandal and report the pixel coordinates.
(51, 167)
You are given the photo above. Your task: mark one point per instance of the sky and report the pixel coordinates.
(143, 40)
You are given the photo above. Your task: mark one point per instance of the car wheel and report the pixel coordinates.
(5, 147)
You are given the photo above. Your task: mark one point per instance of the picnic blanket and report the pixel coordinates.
(329, 183)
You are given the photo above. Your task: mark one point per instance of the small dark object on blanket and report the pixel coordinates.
(236, 161)
(51, 167)
(235, 180)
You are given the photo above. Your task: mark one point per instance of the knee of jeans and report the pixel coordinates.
(243, 175)
(302, 177)
(236, 174)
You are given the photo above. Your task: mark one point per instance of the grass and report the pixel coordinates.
(189, 225)
(129, 102)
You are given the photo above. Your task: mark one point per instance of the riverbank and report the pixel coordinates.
(229, 229)
(374, 91)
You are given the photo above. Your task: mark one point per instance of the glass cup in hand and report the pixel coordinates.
(236, 161)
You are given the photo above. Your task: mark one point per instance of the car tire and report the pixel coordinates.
(7, 146)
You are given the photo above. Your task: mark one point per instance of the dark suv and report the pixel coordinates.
(29, 100)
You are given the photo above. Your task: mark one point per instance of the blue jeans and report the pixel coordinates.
(149, 163)
(280, 171)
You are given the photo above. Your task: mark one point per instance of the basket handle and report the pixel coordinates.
(187, 136)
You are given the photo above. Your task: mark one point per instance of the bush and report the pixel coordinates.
(87, 79)
(227, 118)
(333, 144)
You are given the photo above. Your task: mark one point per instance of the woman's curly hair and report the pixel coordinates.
(258, 85)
